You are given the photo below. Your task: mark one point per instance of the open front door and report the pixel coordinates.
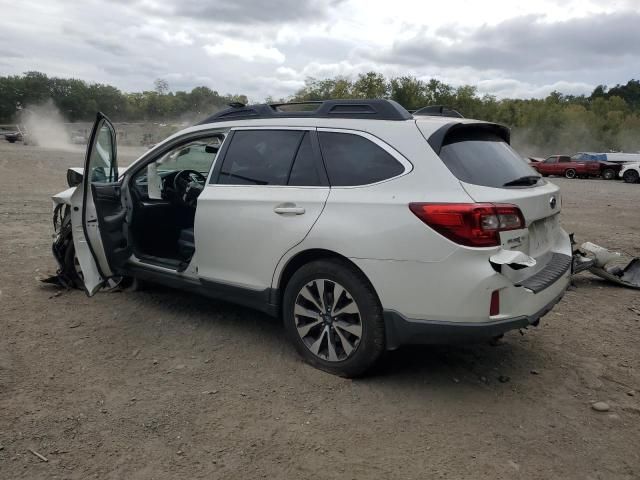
(98, 213)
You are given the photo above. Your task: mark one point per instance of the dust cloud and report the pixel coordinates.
(45, 126)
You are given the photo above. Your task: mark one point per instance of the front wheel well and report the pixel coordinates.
(306, 256)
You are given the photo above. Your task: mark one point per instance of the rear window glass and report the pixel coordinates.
(354, 160)
(485, 160)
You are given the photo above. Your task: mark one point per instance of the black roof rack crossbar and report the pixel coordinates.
(364, 109)
(438, 111)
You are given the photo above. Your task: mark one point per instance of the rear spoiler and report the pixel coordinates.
(456, 132)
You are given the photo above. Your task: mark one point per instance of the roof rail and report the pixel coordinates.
(373, 109)
(438, 111)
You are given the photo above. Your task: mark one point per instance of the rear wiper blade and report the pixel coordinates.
(526, 180)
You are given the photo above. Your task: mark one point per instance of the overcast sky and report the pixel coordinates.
(260, 48)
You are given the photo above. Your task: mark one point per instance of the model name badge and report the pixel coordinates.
(515, 242)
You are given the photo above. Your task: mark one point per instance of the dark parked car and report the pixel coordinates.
(571, 167)
(12, 133)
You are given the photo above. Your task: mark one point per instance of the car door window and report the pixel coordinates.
(354, 160)
(197, 155)
(260, 157)
(551, 160)
(305, 171)
(103, 155)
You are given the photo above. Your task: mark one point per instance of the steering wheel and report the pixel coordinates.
(188, 184)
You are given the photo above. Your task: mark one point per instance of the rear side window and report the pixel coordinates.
(260, 157)
(484, 159)
(305, 170)
(354, 160)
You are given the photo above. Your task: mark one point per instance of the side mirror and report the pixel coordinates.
(184, 151)
(212, 148)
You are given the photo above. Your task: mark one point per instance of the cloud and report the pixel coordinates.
(512, 88)
(526, 44)
(265, 49)
(248, 51)
(8, 53)
(244, 12)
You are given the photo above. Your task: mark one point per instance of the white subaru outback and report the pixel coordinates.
(364, 227)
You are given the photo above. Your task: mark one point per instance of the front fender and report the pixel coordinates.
(63, 198)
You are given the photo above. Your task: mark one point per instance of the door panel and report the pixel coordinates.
(97, 212)
(242, 232)
(255, 210)
(111, 217)
(92, 278)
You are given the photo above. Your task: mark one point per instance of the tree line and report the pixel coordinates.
(607, 119)
(78, 100)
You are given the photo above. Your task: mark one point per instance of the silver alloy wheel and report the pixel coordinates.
(328, 320)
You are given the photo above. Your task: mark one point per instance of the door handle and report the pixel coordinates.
(289, 208)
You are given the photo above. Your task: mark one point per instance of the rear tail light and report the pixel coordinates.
(470, 224)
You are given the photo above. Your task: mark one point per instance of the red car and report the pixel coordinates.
(571, 167)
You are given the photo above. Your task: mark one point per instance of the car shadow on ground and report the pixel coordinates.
(483, 363)
(487, 361)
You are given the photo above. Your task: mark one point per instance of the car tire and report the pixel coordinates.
(570, 173)
(71, 269)
(631, 176)
(11, 141)
(327, 341)
(608, 174)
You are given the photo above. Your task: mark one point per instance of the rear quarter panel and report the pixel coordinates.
(374, 221)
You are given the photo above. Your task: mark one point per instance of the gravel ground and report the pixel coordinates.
(159, 384)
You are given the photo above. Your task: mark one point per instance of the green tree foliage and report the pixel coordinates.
(608, 119)
(605, 120)
(78, 100)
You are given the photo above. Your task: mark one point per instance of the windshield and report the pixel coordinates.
(488, 161)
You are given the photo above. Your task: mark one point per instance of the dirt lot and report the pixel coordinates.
(161, 384)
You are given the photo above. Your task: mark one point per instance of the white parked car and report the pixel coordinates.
(630, 172)
(362, 226)
(614, 157)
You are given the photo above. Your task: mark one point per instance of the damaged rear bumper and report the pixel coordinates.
(401, 330)
(605, 264)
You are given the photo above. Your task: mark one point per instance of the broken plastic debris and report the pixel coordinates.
(601, 255)
(513, 258)
(597, 260)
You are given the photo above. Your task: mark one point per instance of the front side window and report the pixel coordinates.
(354, 160)
(197, 155)
(102, 160)
(191, 160)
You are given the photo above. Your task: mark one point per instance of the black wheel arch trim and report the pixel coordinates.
(303, 257)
